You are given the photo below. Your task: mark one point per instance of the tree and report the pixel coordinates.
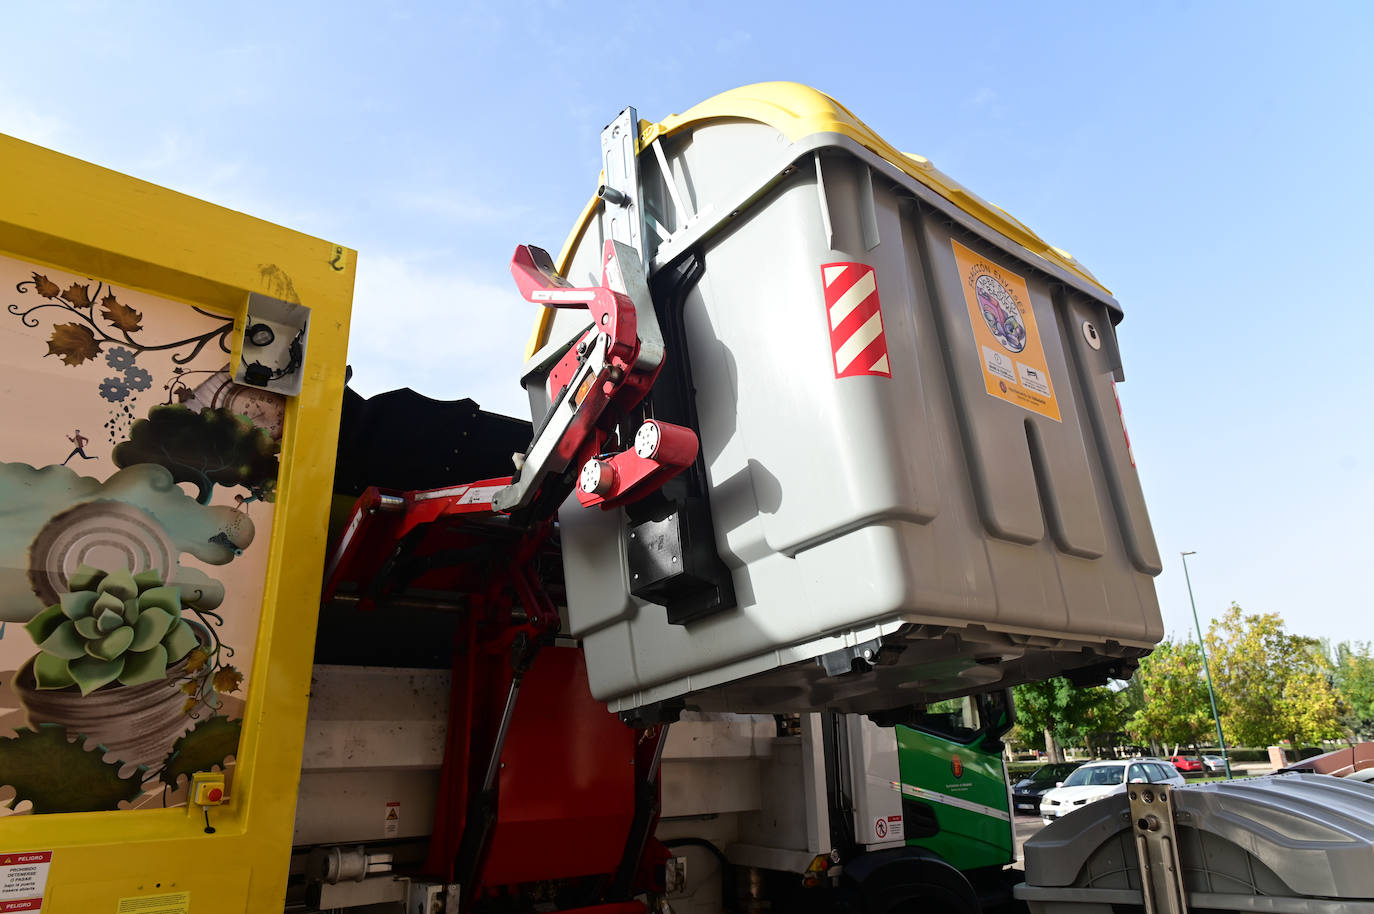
(1175, 707)
(1097, 717)
(1271, 685)
(1038, 710)
(206, 448)
(1353, 676)
(1066, 715)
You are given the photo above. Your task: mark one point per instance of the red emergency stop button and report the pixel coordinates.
(207, 788)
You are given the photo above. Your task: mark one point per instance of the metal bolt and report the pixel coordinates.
(605, 319)
(1091, 335)
(613, 196)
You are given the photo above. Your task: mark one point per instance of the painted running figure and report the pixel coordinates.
(80, 441)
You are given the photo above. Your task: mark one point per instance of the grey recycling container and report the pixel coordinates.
(915, 481)
(1288, 844)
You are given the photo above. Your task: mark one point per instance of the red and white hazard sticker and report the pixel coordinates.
(889, 828)
(23, 879)
(1129, 453)
(391, 823)
(857, 341)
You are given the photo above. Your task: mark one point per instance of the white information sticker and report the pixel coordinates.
(1033, 379)
(998, 364)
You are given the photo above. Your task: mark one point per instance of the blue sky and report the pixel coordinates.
(1209, 162)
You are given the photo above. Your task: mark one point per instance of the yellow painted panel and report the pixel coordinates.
(180, 262)
(205, 888)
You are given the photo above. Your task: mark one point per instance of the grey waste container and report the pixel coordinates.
(914, 483)
(1291, 844)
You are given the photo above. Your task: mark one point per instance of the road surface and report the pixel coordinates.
(1025, 827)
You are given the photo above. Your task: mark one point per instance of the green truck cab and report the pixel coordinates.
(930, 807)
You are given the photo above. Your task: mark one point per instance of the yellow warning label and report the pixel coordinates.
(175, 903)
(1004, 330)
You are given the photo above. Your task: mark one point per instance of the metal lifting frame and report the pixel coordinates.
(609, 369)
(1162, 887)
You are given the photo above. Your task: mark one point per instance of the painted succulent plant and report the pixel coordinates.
(110, 626)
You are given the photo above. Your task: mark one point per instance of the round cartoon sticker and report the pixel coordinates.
(1000, 312)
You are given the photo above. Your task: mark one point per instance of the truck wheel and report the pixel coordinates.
(916, 892)
(926, 900)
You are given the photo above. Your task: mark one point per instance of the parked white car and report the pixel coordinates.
(1096, 780)
(1215, 764)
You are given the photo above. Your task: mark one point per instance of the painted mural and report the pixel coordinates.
(136, 493)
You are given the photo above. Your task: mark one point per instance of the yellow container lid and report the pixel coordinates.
(798, 111)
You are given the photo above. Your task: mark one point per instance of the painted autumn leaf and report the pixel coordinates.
(228, 680)
(78, 295)
(45, 286)
(120, 314)
(195, 660)
(73, 342)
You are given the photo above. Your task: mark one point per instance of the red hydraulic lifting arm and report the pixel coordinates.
(594, 386)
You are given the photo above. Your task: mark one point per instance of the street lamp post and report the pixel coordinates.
(1206, 667)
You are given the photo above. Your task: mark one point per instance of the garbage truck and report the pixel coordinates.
(777, 805)
(824, 456)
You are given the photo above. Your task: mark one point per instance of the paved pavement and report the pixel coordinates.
(1026, 826)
